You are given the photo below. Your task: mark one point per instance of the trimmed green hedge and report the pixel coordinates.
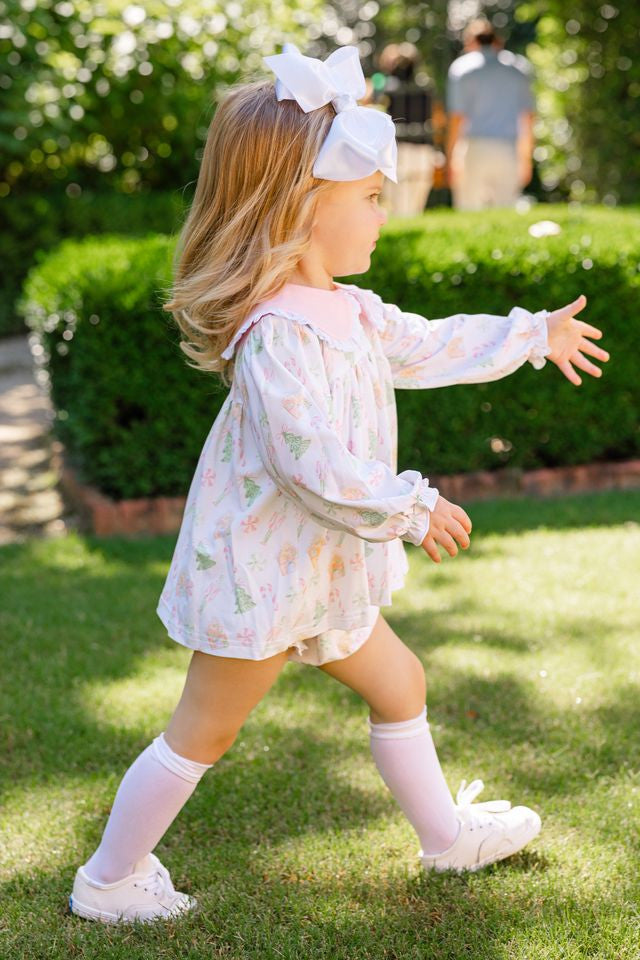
(33, 224)
(134, 416)
(130, 412)
(447, 263)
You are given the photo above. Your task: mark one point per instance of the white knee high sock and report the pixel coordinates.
(406, 757)
(151, 794)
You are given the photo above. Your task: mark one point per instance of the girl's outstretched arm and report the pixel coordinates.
(463, 348)
(279, 371)
(475, 348)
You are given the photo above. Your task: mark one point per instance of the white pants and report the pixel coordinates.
(408, 197)
(487, 173)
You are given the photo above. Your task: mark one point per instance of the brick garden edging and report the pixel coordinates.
(105, 517)
(581, 478)
(144, 515)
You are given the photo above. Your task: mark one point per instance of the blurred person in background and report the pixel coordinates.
(410, 105)
(490, 109)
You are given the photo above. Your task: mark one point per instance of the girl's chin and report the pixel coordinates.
(362, 267)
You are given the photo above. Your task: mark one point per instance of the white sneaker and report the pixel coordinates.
(146, 894)
(489, 831)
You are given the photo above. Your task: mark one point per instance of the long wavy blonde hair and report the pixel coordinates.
(250, 220)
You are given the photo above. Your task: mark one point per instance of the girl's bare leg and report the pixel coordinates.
(218, 695)
(386, 673)
(390, 678)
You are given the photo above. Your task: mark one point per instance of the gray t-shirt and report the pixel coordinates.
(491, 88)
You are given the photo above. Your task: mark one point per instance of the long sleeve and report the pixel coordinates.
(464, 348)
(281, 380)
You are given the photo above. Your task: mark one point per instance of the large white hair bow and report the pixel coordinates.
(361, 140)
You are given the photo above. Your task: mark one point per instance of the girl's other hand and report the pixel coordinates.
(568, 342)
(447, 523)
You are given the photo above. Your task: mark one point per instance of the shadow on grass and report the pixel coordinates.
(71, 626)
(249, 909)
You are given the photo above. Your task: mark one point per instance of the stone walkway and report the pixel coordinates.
(31, 504)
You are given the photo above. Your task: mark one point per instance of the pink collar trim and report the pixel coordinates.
(336, 312)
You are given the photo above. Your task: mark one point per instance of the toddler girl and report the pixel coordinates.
(293, 530)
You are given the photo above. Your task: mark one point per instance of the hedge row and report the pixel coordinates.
(34, 223)
(133, 415)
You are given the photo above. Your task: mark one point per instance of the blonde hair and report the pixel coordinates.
(251, 217)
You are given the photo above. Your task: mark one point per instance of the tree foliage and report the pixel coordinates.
(588, 78)
(119, 95)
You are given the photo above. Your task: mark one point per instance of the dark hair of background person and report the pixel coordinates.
(408, 103)
(480, 30)
(399, 60)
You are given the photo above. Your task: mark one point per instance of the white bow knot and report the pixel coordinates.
(361, 140)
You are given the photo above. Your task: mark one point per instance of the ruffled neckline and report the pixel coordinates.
(333, 314)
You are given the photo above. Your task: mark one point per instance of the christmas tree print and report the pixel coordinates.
(228, 448)
(320, 611)
(203, 560)
(373, 517)
(251, 490)
(297, 445)
(243, 600)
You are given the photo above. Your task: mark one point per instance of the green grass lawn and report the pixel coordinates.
(291, 842)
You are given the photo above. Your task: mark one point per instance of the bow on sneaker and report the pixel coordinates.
(467, 794)
(489, 831)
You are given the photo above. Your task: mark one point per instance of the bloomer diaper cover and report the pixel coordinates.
(333, 644)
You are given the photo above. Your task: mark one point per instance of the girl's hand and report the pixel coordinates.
(568, 342)
(447, 523)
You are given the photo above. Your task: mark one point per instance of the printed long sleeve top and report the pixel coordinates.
(296, 516)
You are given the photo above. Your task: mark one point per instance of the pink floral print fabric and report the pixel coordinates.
(293, 529)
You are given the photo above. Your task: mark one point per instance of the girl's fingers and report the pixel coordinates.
(429, 546)
(565, 367)
(459, 533)
(447, 542)
(461, 516)
(578, 304)
(575, 307)
(587, 347)
(458, 524)
(585, 364)
(588, 331)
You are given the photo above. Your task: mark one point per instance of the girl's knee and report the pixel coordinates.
(416, 681)
(203, 746)
(405, 696)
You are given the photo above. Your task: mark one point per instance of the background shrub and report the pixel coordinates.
(33, 224)
(134, 416)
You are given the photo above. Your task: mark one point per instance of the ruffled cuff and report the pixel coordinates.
(540, 340)
(418, 524)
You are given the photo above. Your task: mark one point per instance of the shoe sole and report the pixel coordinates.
(487, 860)
(91, 913)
